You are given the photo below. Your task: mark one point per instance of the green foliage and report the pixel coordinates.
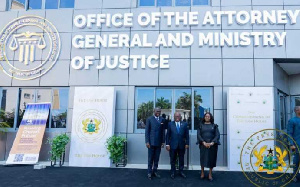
(6, 120)
(163, 103)
(145, 110)
(115, 146)
(58, 145)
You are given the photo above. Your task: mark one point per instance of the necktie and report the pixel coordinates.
(157, 118)
(177, 126)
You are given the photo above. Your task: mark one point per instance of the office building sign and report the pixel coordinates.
(29, 47)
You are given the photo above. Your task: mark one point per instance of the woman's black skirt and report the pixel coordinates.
(208, 157)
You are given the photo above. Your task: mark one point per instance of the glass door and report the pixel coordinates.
(295, 102)
(282, 110)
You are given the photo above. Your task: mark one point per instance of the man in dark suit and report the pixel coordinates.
(177, 140)
(154, 138)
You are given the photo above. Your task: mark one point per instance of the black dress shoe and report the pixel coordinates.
(149, 176)
(182, 175)
(155, 174)
(172, 176)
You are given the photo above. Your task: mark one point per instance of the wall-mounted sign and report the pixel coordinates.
(238, 38)
(29, 47)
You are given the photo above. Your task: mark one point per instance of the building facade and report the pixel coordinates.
(197, 80)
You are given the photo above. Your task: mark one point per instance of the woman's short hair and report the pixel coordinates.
(211, 118)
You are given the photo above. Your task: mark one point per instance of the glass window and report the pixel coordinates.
(58, 99)
(25, 96)
(147, 2)
(145, 106)
(35, 4)
(183, 2)
(164, 2)
(202, 104)
(59, 108)
(51, 4)
(66, 4)
(18, 4)
(164, 101)
(200, 2)
(183, 104)
(8, 103)
(191, 103)
(297, 101)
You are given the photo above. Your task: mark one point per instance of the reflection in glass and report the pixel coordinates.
(43, 95)
(26, 96)
(147, 2)
(51, 4)
(59, 108)
(66, 4)
(183, 103)
(183, 3)
(18, 4)
(297, 101)
(282, 112)
(164, 2)
(8, 104)
(200, 2)
(35, 4)
(145, 106)
(202, 104)
(164, 101)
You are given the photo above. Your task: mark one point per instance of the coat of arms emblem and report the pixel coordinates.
(91, 126)
(270, 162)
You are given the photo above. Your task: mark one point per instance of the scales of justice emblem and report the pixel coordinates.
(29, 47)
(27, 42)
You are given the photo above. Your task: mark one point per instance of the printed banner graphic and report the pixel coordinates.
(92, 124)
(28, 142)
(249, 110)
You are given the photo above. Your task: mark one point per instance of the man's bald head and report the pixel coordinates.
(177, 116)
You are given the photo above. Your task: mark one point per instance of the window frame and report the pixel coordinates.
(192, 131)
(49, 129)
(174, 5)
(42, 8)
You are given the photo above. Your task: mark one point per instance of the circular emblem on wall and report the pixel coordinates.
(29, 47)
(266, 158)
(91, 126)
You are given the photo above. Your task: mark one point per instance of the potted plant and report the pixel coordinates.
(58, 148)
(117, 148)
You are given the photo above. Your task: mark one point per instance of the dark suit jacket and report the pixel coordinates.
(175, 139)
(155, 131)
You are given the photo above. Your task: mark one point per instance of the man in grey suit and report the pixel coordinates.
(177, 140)
(154, 138)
